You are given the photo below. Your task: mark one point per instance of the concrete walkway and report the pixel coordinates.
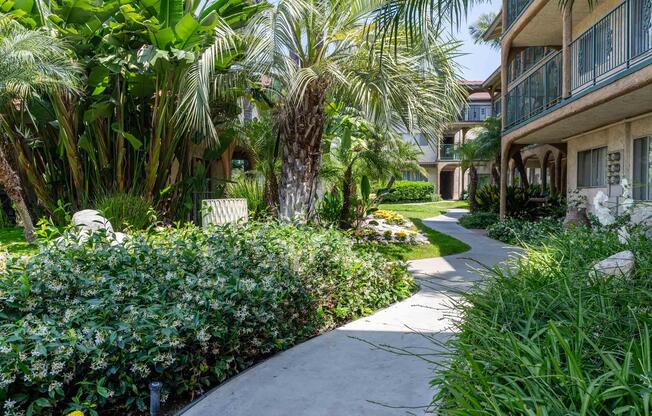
(344, 372)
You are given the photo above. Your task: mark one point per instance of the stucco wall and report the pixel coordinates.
(618, 137)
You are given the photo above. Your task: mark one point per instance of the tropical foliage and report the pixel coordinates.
(151, 96)
(357, 152)
(33, 64)
(307, 53)
(88, 325)
(525, 203)
(480, 27)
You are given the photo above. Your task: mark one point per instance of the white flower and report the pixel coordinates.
(601, 209)
(623, 235)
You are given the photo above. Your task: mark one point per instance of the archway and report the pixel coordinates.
(447, 189)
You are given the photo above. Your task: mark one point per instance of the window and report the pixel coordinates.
(414, 176)
(642, 186)
(592, 167)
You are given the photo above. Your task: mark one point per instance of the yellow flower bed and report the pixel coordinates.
(390, 217)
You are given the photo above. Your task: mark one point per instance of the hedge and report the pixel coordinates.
(408, 191)
(87, 326)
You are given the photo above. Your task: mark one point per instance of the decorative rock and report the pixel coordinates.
(91, 220)
(620, 264)
(379, 230)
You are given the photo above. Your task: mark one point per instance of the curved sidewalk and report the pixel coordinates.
(349, 371)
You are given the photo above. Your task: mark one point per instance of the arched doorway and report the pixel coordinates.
(447, 189)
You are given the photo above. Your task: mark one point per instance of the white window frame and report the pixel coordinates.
(594, 181)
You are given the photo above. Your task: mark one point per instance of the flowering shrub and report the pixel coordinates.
(390, 217)
(86, 326)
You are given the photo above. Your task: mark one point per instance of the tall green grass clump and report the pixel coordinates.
(126, 211)
(546, 337)
(253, 191)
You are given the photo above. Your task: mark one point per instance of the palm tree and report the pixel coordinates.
(314, 51)
(480, 26)
(488, 140)
(32, 63)
(355, 148)
(471, 155)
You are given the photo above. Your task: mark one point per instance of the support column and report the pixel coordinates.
(553, 178)
(567, 35)
(558, 175)
(504, 170)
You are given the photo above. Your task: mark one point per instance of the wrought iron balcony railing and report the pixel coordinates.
(620, 39)
(537, 91)
(448, 152)
(617, 42)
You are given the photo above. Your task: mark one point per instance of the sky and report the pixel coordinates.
(478, 61)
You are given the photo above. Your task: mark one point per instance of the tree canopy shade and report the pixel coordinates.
(314, 51)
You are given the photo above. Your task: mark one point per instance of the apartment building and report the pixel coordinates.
(576, 83)
(441, 160)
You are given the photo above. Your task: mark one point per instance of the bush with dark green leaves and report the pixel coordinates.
(546, 336)
(478, 220)
(409, 191)
(519, 232)
(88, 325)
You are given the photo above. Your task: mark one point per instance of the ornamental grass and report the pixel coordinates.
(545, 337)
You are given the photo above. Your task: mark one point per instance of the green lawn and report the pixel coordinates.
(13, 240)
(440, 244)
(424, 210)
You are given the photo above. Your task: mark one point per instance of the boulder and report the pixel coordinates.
(620, 264)
(91, 220)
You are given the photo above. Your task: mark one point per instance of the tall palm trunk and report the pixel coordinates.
(271, 191)
(302, 128)
(347, 188)
(473, 188)
(11, 182)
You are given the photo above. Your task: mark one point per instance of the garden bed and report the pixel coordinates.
(549, 337)
(88, 326)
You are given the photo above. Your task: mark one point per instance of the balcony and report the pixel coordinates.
(536, 91)
(497, 107)
(618, 43)
(474, 113)
(448, 152)
(619, 40)
(514, 10)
